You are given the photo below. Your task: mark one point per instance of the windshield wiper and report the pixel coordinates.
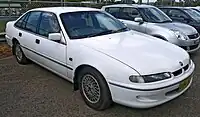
(101, 33)
(120, 30)
(107, 32)
(166, 21)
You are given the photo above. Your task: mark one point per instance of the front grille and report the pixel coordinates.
(172, 92)
(186, 67)
(194, 36)
(178, 72)
(193, 47)
(184, 47)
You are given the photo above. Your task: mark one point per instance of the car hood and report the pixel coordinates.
(144, 53)
(184, 28)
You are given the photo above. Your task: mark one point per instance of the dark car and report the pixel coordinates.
(184, 15)
(195, 8)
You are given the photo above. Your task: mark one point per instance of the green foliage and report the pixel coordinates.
(2, 26)
(196, 3)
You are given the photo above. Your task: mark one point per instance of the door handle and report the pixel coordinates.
(37, 41)
(20, 34)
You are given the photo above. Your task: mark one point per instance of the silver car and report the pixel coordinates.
(151, 20)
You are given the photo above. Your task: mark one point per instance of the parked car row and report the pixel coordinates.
(151, 20)
(104, 59)
(184, 15)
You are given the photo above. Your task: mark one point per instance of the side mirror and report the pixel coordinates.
(139, 19)
(54, 36)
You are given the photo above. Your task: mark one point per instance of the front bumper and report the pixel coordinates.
(190, 45)
(8, 40)
(150, 97)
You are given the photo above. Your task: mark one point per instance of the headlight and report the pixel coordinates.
(180, 35)
(150, 78)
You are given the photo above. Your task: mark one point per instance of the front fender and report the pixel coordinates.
(110, 68)
(161, 32)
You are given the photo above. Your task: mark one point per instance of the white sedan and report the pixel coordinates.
(103, 59)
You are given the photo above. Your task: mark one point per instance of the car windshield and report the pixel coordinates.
(197, 10)
(86, 24)
(192, 13)
(154, 15)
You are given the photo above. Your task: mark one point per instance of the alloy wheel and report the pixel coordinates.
(18, 52)
(91, 88)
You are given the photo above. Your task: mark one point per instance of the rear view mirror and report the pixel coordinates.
(54, 36)
(139, 19)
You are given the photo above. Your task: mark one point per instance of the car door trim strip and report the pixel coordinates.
(47, 58)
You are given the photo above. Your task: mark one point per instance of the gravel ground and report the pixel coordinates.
(5, 50)
(31, 91)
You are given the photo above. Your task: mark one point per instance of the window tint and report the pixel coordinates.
(48, 24)
(155, 15)
(129, 14)
(21, 21)
(32, 22)
(113, 11)
(164, 10)
(24, 21)
(193, 13)
(176, 13)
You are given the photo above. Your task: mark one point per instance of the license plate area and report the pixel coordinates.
(183, 84)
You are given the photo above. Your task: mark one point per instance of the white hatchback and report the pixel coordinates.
(105, 60)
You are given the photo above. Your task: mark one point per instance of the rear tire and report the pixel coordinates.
(19, 54)
(94, 89)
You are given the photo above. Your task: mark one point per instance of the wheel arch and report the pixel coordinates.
(77, 71)
(14, 40)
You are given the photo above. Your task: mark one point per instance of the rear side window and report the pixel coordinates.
(114, 11)
(176, 13)
(164, 10)
(129, 13)
(20, 23)
(32, 22)
(48, 24)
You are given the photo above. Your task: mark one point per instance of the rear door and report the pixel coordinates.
(27, 26)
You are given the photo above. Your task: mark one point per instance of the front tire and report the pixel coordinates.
(94, 89)
(19, 55)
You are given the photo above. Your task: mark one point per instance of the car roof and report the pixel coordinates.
(171, 7)
(193, 7)
(59, 10)
(129, 5)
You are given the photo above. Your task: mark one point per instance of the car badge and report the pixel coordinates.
(181, 63)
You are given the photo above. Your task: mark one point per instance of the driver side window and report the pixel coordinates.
(129, 13)
(48, 24)
(114, 11)
(176, 13)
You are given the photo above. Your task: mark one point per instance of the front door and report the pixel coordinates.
(127, 16)
(177, 15)
(52, 53)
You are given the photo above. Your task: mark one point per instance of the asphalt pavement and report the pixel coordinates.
(32, 91)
